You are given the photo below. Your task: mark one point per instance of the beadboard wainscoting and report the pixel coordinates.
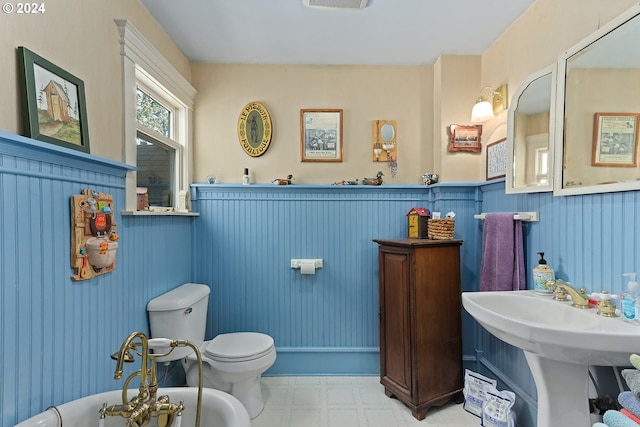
(326, 323)
(57, 334)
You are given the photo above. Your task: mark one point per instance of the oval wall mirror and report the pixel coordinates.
(598, 110)
(530, 134)
(387, 132)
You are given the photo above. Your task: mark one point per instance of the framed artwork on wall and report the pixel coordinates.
(465, 138)
(321, 135)
(53, 103)
(497, 159)
(615, 139)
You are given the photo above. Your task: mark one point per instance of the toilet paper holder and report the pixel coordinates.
(297, 263)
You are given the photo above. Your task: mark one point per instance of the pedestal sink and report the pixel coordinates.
(559, 343)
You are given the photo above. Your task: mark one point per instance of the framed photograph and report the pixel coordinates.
(53, 103)
(465, 138)
(321, 135)
(615, 139)
(497, 159)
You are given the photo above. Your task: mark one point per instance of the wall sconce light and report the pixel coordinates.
(484, 110)
(384, 140)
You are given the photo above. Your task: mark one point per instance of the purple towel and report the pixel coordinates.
(502, 254)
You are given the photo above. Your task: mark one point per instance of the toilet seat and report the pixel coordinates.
(239, 346)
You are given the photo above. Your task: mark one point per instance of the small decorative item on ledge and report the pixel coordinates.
(430, 178)
(345, 182)
(374, 181)
(417, 223)
(142, 195)
(284, 181)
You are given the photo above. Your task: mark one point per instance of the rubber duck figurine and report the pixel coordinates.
(283, 181)
(345, 182)
(374, 181)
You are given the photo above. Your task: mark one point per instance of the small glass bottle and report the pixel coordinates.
(245, 177)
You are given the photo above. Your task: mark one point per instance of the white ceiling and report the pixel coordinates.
(386, 32)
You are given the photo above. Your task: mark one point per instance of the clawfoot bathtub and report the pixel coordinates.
(219, 409)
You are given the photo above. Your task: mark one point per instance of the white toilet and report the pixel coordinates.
(231, 362)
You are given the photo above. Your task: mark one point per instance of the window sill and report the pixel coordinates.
(158, 213)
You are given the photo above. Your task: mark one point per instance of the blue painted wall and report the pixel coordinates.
(325, 323)
(57, 334)
(589, 240)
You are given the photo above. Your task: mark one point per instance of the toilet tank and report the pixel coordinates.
(179, 314)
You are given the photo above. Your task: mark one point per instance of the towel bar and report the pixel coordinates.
(522, 216)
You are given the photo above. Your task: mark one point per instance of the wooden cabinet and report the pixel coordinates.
(420, 322)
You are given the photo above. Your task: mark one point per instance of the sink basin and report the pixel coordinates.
(559, 342)
(553, 329)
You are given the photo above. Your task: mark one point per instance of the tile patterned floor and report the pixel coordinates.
(345, 402)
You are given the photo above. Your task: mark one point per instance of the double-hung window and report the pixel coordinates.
(157, 109)
(158, 154)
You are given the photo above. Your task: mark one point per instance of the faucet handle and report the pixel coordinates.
(604, 296)
(559, 293)
(606, 308)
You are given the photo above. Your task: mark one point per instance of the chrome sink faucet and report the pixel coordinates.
(561, 289)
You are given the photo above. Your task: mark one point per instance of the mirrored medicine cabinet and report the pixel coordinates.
(598, 111)
(530, 128)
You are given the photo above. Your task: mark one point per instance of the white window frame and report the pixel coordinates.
(159, 95)
(143, 64)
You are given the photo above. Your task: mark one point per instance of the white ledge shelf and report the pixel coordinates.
(158, 213)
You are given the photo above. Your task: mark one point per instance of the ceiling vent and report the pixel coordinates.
(336, 4)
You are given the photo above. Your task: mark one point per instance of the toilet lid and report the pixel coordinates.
(239, 346)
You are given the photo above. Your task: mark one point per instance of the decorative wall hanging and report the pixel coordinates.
(497, 159)
(321, 135)
(615, 139)
(465, 138)
(254, 129)
(53, 103)
(384, 136)
(94, 241)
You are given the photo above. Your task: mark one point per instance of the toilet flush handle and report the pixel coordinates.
(188, 310)
(159, 343)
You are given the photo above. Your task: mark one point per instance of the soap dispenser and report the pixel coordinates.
(629, 301)
(542, 273)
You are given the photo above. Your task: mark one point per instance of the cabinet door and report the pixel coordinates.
(395, 333)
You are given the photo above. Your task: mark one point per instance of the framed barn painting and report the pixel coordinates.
(53, 103)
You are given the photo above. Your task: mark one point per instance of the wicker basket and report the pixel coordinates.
(441, 229)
